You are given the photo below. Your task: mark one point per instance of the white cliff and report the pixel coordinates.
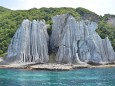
(77, 41)
(29, 44)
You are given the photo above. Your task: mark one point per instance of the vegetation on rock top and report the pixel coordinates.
(11, 19)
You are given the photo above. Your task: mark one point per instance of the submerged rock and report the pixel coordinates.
(77, 41)
(29, 44)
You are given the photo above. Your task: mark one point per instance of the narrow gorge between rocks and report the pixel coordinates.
(71, 41)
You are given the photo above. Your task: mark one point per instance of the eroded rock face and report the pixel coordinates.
(29, 44)
(77, 41)
(72, 41)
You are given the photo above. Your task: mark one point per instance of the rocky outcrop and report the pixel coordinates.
(77, 41)
(92, 17)
(111, 21)
(71, 41)
(29, 44)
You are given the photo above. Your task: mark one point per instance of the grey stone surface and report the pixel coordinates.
(1, 59)
(72, 41)
(111, 21)
(77, 41)
(29, 44)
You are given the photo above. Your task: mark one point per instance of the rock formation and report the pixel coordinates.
(29, 44)
(111, 21)
(72, 41)
(77, 41)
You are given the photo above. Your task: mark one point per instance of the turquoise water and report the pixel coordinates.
(81, 77)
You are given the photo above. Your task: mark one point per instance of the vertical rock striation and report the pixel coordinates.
(77, 41)
(29, 44)
(72, 41)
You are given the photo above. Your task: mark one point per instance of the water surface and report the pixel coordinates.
(81, 77)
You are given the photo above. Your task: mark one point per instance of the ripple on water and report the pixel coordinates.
(81, 77)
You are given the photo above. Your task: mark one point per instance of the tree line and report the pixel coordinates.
(11, 19)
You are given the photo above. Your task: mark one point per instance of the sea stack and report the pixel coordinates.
(77, 41)
(29, 44)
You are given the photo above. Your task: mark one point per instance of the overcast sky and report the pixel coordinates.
(98, 6)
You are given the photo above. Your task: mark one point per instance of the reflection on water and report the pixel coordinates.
(82, 77)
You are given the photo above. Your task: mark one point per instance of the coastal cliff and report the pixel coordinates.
(29, 44)
(71, 41)
(77, 41)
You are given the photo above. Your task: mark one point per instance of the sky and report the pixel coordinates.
(100, 7)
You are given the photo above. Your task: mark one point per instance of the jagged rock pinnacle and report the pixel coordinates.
(29, 44)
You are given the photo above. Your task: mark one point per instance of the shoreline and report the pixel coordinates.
(54, 67)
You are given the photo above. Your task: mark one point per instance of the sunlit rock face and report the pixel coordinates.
(77, 41)
(29, 44)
